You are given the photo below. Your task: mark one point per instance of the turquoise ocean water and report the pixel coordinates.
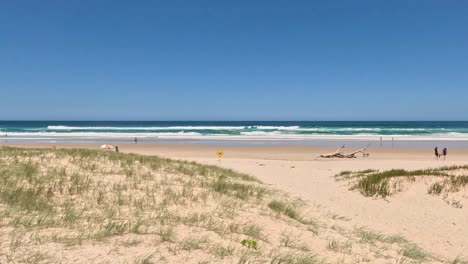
(232, 131)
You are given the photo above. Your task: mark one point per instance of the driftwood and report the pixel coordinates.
(339, 153)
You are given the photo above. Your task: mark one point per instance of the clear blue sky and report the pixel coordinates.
(234, 60)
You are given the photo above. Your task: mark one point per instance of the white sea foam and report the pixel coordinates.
(261, 133)
(277, 127)
(244, 135)
(290, 129)
(148, 128)
(374, 129)
(103, 134)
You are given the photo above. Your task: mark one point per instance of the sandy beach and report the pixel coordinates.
(427, 220)
(234, 132)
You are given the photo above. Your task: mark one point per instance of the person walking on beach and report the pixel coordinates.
(436, 152)
(136, 140)
(444, 152)
(116, 148)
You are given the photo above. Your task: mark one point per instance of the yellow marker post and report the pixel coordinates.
(219, 153)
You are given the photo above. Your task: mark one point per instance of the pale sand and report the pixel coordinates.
(422, 218)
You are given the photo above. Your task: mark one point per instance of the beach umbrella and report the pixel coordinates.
(106, 146)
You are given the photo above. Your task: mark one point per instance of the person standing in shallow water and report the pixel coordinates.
(136, 140)
(444, 152)
(436, 152)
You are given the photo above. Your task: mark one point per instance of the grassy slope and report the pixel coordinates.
(384, 183)
(83, 206)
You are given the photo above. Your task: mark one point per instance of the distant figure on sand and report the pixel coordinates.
(136, 140)
(116, 148)
(436, 152)
(444, 152)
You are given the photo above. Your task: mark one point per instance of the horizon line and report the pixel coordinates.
(207, 120)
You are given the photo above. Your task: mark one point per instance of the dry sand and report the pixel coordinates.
(427, 220)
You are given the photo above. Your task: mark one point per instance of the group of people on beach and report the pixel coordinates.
(438, 155)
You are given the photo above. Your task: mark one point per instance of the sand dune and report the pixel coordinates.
(427, 220)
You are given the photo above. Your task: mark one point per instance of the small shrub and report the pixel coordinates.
(249, 243)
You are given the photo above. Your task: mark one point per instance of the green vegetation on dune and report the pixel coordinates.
(458, 260)
(381, 183)
(283, 208)
(56, 204)
(86, 196)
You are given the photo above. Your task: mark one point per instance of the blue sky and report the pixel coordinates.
(234, 60)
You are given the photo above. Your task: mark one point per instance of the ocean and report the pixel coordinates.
(236, 132)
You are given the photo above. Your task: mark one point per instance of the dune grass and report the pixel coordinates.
(58, 204)
(380, 183)
(81, 196)
(458, 260)
(413, 251)
(289, 210)
(368, 236)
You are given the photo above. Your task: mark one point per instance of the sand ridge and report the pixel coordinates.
(425, 219)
